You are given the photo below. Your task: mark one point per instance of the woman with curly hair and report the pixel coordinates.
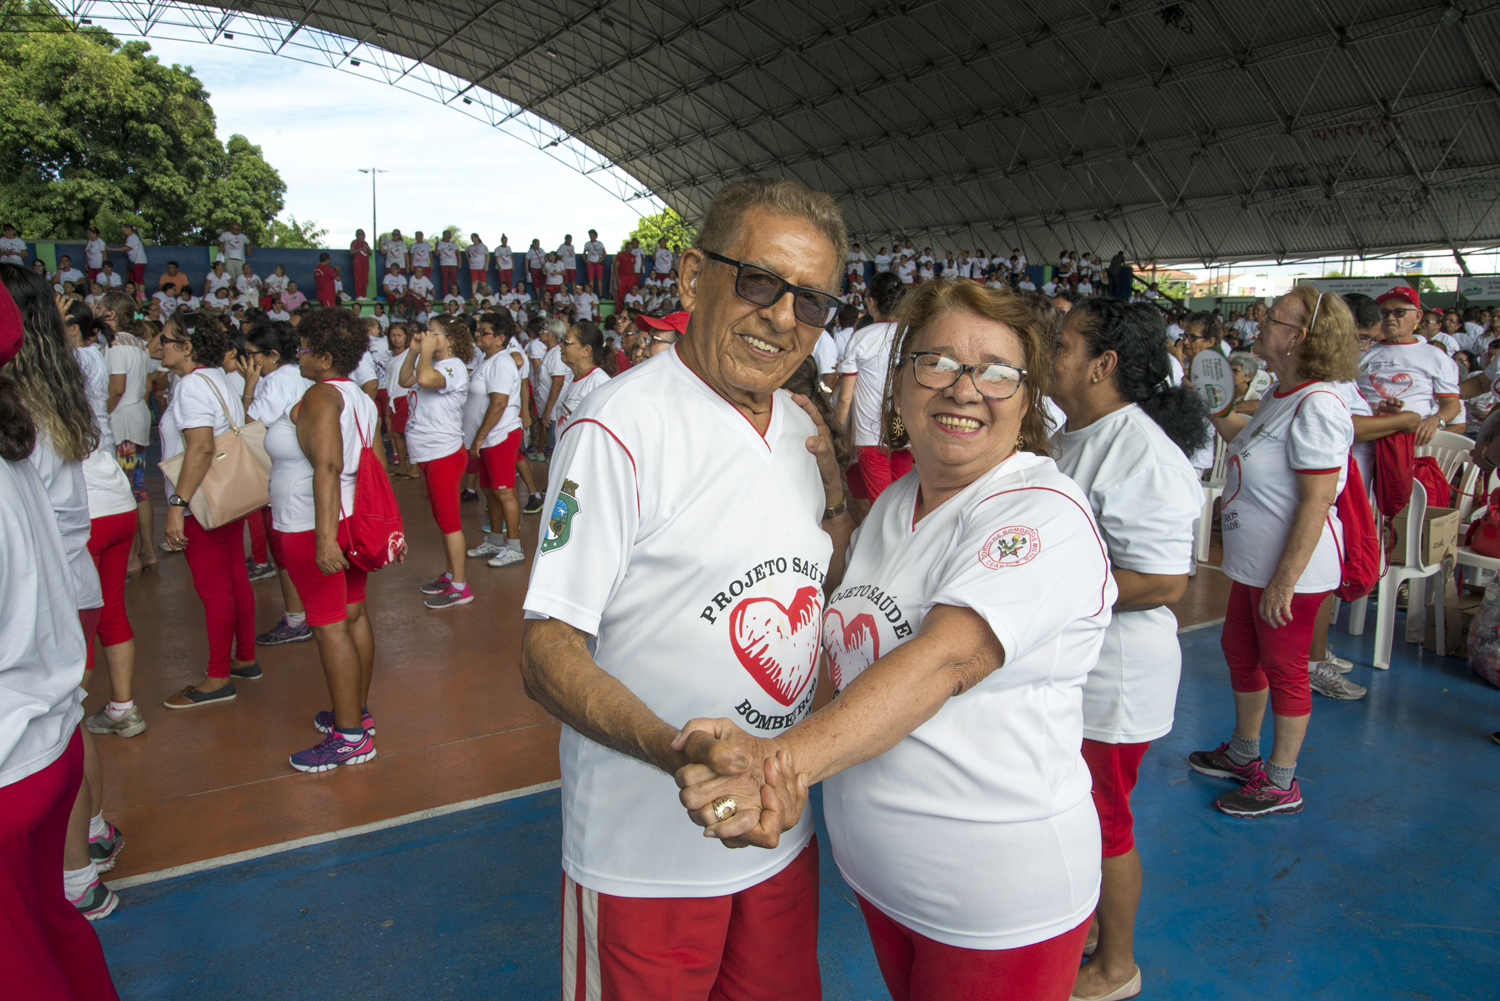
(312, 479)
(435, 370)
(203, 404)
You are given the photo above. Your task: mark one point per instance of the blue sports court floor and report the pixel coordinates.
(1385, 886)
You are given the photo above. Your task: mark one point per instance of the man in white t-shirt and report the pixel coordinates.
(12, 247)
(567, 255)
(235, 246)
(107, 277)
(65, 273)
(593, 258)
(698, 588)
(1406, 373)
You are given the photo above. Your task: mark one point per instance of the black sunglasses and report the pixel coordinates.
(764, 287)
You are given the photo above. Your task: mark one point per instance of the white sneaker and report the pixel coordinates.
(1326, 680)
(484, 549)
(507, 558)
(1344, 666)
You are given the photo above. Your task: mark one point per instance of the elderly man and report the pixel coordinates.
(695, 511)
(1404, 373)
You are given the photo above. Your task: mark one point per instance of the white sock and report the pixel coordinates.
(513, 544)
(296, 618)
(496, 539)
(76, 882)
(97, 827)
(118, 710)
(352, 736)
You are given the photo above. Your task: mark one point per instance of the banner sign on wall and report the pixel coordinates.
(1479, 287)
(1372, 287)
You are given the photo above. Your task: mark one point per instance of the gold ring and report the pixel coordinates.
(724, 807)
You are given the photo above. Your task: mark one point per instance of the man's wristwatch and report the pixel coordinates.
(175, 501)
(833, 512)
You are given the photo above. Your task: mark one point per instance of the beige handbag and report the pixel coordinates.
(238, 477)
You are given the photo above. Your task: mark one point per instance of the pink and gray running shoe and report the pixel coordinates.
(334, 751)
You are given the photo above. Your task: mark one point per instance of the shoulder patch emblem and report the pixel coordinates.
(560, 522)
(1011, 546)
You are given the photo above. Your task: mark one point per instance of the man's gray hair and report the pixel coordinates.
(721, 226)
(555, 327)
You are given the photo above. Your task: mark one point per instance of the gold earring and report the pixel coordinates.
(898, 426)
(1020, 442)
(1094, 379)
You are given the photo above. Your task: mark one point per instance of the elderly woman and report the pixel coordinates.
(203, 404)
(1245, 367)
(1125, 442)
(1282, 539)
(933, 756)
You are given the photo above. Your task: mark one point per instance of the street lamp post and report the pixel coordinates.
(374, 213)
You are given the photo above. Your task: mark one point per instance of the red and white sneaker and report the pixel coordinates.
(1259, 798)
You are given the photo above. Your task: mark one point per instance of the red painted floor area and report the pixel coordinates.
(453, 722)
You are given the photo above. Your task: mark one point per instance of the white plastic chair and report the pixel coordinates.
(1213, 489)
(1390, 586)
(1450, 450)
(1467, 502)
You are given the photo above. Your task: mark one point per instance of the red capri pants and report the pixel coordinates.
(497, 464)
(443, 477)
(259, 523)
(877, 470)
(325, 596)
(109, 545)
(536, 278)
(450, 277)
(217, 559)
(1262, 656)
(48, 949)
(760, 944)
(917, 968)
(1114, 768)
(400, 411)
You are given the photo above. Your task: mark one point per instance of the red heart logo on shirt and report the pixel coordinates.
(852, 646)
(1391, 387)
(778, 645)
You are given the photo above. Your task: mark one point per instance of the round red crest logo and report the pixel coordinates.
(1012, 546)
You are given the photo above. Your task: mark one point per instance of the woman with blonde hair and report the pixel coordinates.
(1282, 541)
(985, 556)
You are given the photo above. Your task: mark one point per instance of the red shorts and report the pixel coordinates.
(1261, 656)
(876, 471)
(325, 596)
(497, 468)
(443, 477)
(760, 944)
(569, 275)
(916, 968)
(472, 465)
(1114, 768)
(475, 276)
(88, 620)
(400, 411)
(596, 272)
(383, 400)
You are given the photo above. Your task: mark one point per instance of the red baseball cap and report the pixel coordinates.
(672, 321)
(11, 327)
(1403, 292)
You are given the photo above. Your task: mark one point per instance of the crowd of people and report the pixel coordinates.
(970, 498)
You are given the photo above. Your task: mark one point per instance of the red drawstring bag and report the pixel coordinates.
(1484, 534)
(1360, 558)
(1427, 471)
(1395, 455)
(375, 530)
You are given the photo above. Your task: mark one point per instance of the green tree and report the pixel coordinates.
(665, 224)
(92, 131)
(294, 235)
(1424, 284)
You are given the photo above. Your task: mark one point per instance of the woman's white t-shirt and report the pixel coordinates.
(978, 829)
(107, 489)
(868, 358)
(392, 382)
(1306, 430)
(131, 418)
(435, 428)
(1364, 451)
(195, 405)
(68, 500)
(275, 395)
(577, 391)
(216, 282)
(1145, 497)
(292, 508)
(495, 374)
(447, 252)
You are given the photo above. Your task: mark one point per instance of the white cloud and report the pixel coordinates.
(317, 126)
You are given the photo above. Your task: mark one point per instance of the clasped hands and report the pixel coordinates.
(757, 773)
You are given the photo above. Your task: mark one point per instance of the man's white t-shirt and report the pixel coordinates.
(694, 619)
(71, 275)
(1145, 497)
(978, 829)
(868, 358)
(234, 245)
(578, 391)
(13, 250)
(495, 374)
(447, 252)
(1306, 430)
(1416, 373)
(435, 428)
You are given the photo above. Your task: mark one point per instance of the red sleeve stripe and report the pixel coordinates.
(1317, 472)
(1446, 396)
(1088, 516)
(633, 469)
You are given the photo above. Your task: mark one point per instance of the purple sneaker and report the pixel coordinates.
(323, 722)
(1217, 764)
(440, 586)
(284, 632)
(334, 751)
(1259, 798)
